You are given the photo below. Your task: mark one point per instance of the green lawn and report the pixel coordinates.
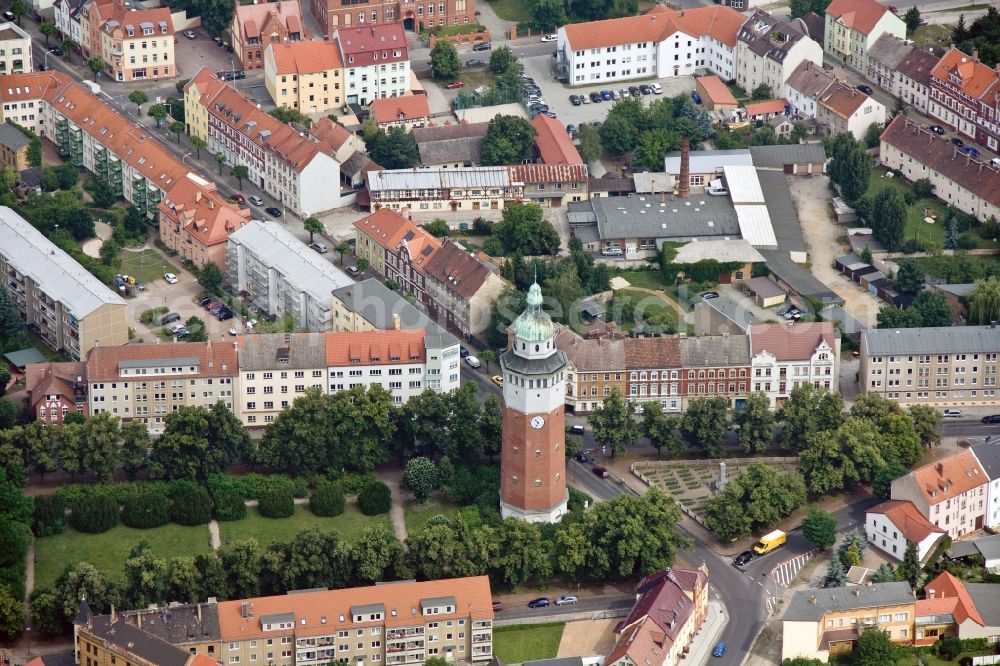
(108, 551)
(417, 515)
(348, 525)
(527, 642)
(932, 35)
(512, 10)
(651, 279)
(147, 265)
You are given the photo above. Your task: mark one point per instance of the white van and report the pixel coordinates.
(473, 361)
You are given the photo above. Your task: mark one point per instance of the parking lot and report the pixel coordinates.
(193, 54)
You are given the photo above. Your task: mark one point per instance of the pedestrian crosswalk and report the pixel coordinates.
(785, 573)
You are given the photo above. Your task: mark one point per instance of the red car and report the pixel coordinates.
(240, 199)
(455, 84)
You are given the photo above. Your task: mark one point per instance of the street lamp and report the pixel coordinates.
(185, 156)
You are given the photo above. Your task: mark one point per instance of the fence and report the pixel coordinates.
(989, 659)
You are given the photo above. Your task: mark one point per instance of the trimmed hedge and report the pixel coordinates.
(353, 482)
(276, 503)
(122, 493)
(251, 486)
(146, 511)
(327, 500)
(94, 514)
(189, 504)
(374, 499)
(50, 515)
(228, 505)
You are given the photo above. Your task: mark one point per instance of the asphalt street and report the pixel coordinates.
(585, 605)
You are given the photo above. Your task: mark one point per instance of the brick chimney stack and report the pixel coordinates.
(684, 180)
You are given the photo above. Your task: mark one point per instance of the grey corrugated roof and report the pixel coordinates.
(987, 600)
(781, 209)
(715, 351)
(776, 157)
(305, 350)
(23, 357)
(936, 340)
(708, 161)
(649, 216)
(988, 454)
(802, 609)
(12, 137)
(52, 270)
(799, 279)
(433, 179)
(377, 304)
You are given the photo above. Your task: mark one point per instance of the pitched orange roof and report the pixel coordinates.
(390, 229)
(976, 77)
(396, 109)
(553, 143)
(791, 343)
(324, 611)
(907, 519)
(717, 91)
(306, 57)
(722, 23)
(769, 106)
(860, 15)
(842, 99)
(214, 359)
(375, 348)
(32, 85)
(252, 17)
(330, 135)
(199, 660)
(950, 477)
(50, 378)
(946, 586)
(206, 216)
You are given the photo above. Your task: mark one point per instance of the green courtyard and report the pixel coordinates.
(266, 531)
(527, 642)
(147, 265)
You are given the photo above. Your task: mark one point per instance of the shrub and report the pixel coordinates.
(94, 514)
(910, 197)
(122, 492)
(577, 499)
(327, 499)
(353, 483)
(375, 498)
(189, 503)
(50, 515)
(228, 505)
(276, 503)
(966, 243)
(146, 511)
(949, 648)
(251, 486)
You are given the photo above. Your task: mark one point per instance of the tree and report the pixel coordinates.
(196, 330)
(104, 196)
(761, 92)
(378, 554)
(548, 15)
(198, 144)
(910, 569)
(99, 452)
(835, 575)
(889, 218)
(327, 499)
(932, 308)
(884, 574)
(437, 228)
(522, 557)
(756, 423)
(850, 167)
(874, 648)
(502, 60)
(487, 356)
(145, 577)
(661, 429)
(11, 326)
(882, 482)
(444, 61)
(803, 7)
(873, 135)
(837, 459)
(809, 410)
(653, 145)
(927, 422)
(241, 561)
(508, 140)
(375, 498)
(912, 19)
(11, 616)
(909, 278)
(851, 551)
(177, 128)
(420, 476)
(589, 143)
(210, 277)
(984, 301)
(704, 425)
(758, 498)
(138, 98)
(276, 502)
(612, 423)
(68, 46)
(343, 248)
(314, 226)
(47, 28)
(18, 9)
(524, 231)
(96, 65)
(394, 149)
(197, 442)
(289, 115)
(820, 528)
(220, 159)
(618, 136)
(239, 172)
(190, 503)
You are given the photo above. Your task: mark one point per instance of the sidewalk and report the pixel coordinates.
(708, 637)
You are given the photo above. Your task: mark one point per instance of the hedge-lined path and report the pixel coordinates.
(392, 478)
(214, 536)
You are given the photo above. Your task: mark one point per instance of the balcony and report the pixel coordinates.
(408, 646)
(482, 638)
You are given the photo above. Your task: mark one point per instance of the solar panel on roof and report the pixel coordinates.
(409, 236)
(426, 251)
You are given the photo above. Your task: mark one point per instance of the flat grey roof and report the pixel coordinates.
(12, 137)
(433, 179)
(956, 289)
(802, 607)
(798, 278)
(987, 601)
(776, 157)
(368, 608)
(732, 310)
(276, 247)
(784, 216)
(52, 270)
(437, 601)
(708, 161)
(935, 340)
(153, 362)
(764, 287)
(649, 216)
(377, 304)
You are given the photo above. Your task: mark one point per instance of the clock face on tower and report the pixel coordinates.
(537, 422)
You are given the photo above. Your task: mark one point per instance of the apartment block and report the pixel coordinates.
(988, 455)
(15, 50)
(196, 221)
(70, 309)
(950, 493)
(395, 359)
(376, 61)
(844, 108)
(23, 97)
(467, 188)
(396, 623)
(818, 624)
(892, 525)
(150, 381)
(960, 91)
(594, 368)
(786, 356)
(941, 367)
(902, 69)
(276, 369)
(306, 76)
(769, 49)
(136, 44)
(257, 26)
(853, 27)
(281, 275)
(66, 15)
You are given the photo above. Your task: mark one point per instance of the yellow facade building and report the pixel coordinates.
(306, 76)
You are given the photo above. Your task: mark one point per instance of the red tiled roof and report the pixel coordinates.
(722, 23)
(43, 379)
(553, 142)
(716, 90)
(373, 44)
(788, 342)
(975, 76)
(842, 99)
(769, 106)
(456, 269)
(332, 136)
(652, 353)
(375, 347)
(860, 15)
(32, 85)
(206, 216)
(253, 17)
(214, 359)
(946, 586)
(400, 109)
(390, 229)
(959, 473)
(907, 519)
(305, 57)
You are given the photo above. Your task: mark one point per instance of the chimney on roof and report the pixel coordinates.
(197, 196)
(940, 469)
(684, 184)
(857, 591)
(114, 615)
(395, 321)
(199, 611)
(975, 55)
(812, 600)
(930, 593)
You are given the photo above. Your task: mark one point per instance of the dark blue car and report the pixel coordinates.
(969, 150)
(540, 602)
(606, 95)
(719, 650)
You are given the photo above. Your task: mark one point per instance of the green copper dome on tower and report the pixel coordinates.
(534, 324)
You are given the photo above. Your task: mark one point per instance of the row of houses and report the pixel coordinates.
(674, 369)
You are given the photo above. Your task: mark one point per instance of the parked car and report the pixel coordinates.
(709, 295)
(865, 89)
(473, 362)
(213, 304)
(601, 472)
(566, 600)
(576, 430)
(224, 314)
(549, 38)
(937, 129)
(273, 210)
(9, 16)
(179, 331)
(549, 114)
(572, 129)
(645, 90)
(719, 649)
(615, 95)
(612, 252)
(475, 62)
(992, 418)
(319, 247)
(353, 271)
(454, 85)
(969, 150)
(498, 380)
(463, 352)
(952, 413)
(482, 46)
(540, 602)
(497, 606)
(575, 100)
(656, 88)
(634, 91)
(240, 199)
(56, 51)
(716, 191)
(169, 318)
(743, 558)
(170, 278)
(255, 200)
(958, 142)
(606, 95)
(585, 99)
(596, 97)
(580, 456)
(623, 92)
(190, 34)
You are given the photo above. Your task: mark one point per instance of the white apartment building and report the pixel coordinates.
(282, 275)
(275, 369)
(375, 60)
(892, 524)
(71, 310)
(988, 455)
(662, 43)
(15, 50)
(23, 97)
(804, 87)
(853, 27)
(768, 50)
(67, 18)
(150, 381)
(844, 108)
(784, 356)
(950, 493)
